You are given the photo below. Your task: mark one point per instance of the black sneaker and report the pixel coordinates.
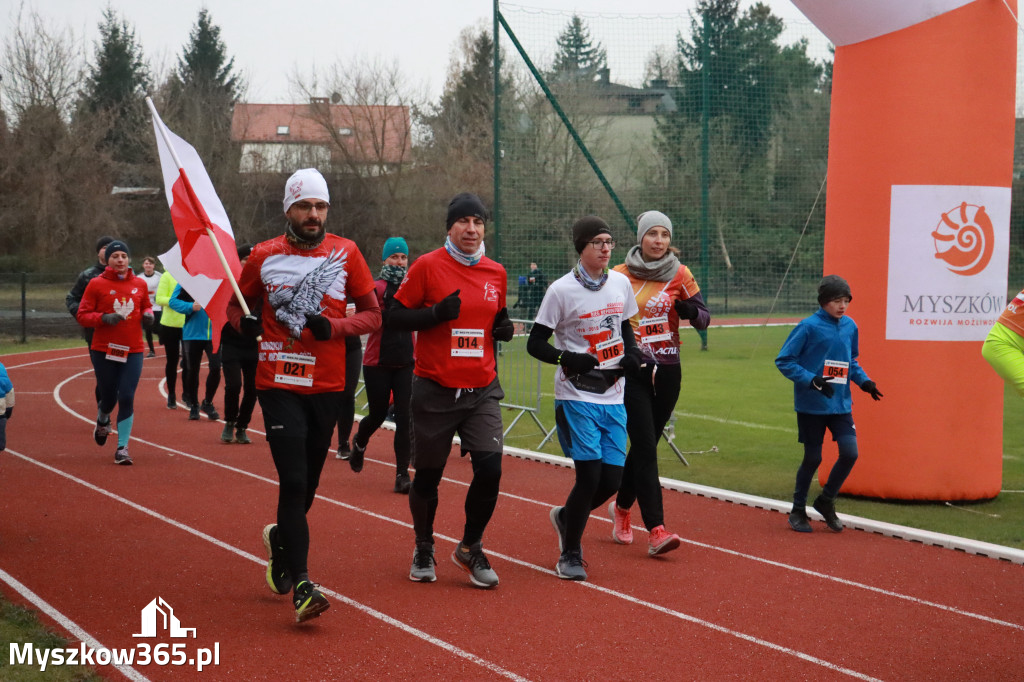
(193, 412)
(344, 452)
(209, 410)
(172, 403)
(356, 460)
(278, 579)
(827, 508)
(423, 563)
(228, 434)
(799, 522)
(471, 559)
(309, 601)
(240, 436)
(403, 484)
(101, 432)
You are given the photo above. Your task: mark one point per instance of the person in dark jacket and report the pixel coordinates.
(387, 369)
(238, 356)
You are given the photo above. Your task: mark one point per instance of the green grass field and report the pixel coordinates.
(735, 399)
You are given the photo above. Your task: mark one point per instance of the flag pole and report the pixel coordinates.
(190, 193)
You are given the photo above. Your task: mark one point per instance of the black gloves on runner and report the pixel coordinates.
(821, 384)
(448, 307)
(631, 361)
(686, 310)
(503, 329)
(320, 326)
(112, 318)
(577, 363)
(870, 387)
(250, 326)
(147, 320)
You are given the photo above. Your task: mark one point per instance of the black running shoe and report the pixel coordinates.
(403, 484)
(827, 508)
(278, 578)
(172, 403)
(799, 522)
(101, 432)
(356, 460)
(309, 601)
(209, 410)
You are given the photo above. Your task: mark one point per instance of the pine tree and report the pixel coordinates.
(578, 57)
(204, 65)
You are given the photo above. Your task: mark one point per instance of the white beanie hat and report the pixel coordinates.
(649, 219)
(306, 183)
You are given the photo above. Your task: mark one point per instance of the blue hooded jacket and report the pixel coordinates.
(197, 323)
(816, 339)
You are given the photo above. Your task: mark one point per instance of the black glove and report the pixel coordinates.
(448, 307)
(250, 326)
(147, 320)
(503, 329)
(320, 326)
(631, 362)
(8, 412)
(821, 384)
(686, 310)
(870, 387)
(112, 318)
(577, 363)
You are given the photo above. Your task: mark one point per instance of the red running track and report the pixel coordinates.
(744, 597)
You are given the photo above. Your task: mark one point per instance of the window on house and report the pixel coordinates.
(282, 130)
(344, 131)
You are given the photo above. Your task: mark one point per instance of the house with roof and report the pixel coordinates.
(366, 140)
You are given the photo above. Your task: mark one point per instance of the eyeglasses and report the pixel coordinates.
(599, 244)
(306, 206)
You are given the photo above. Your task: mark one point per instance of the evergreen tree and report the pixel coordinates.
(116, 87)
(204, 65)
(578, 57)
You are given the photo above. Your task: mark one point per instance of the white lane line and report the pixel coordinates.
(602, 519)
(80, 634)
(370, 611)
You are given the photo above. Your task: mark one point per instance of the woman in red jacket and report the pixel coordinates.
(116, 304)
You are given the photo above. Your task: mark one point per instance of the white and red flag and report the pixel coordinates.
(204, 261)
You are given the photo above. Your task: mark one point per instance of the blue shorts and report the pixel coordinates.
(811, 427)
(589, 432)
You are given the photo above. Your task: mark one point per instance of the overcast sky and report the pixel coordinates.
(272, 40)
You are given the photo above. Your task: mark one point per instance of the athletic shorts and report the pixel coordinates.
(590, 432)
(299, 415)
(439, 412)
(811, 427)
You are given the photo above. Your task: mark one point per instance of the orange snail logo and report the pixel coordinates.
(964, 239)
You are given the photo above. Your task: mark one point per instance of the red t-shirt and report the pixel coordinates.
(288, 282)
(458, 353)
(109, 294)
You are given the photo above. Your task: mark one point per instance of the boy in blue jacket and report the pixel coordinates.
(820, 358)
(6, 404)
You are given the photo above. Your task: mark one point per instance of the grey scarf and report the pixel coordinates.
(661, 270)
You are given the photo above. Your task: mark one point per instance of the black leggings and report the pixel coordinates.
(347, 410)
(299, 429)
(239, 378)
(649, 406)
(380, 383)
(193, 360)
(170, 337)
(596, 482)
(481, 498)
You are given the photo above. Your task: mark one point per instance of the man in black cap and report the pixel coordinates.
(74, 297)
(454, 297)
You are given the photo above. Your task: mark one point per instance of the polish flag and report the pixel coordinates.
(204, 261)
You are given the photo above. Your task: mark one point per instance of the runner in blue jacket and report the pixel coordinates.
(820, 358)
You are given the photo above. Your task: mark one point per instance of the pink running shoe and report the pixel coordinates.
(662, 541)
(622, 532)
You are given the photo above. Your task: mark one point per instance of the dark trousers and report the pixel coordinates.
(649, 404)
(117, 382)
(155, 327)
(380, 383)
(239, 380)
(170, 337)
(347, 408)
(190, 375)
(299, 428)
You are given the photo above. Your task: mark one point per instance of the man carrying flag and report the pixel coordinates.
(298, 286)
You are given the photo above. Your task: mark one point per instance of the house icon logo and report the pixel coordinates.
(965, 239)
(158, 615)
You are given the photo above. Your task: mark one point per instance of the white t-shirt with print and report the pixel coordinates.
(587, 321)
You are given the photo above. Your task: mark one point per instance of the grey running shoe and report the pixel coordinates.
(240, 436)
(228, 434)
(278, 579)
(121, 456)
(423, 563)
(472, 560)
(556, 521)
(571, 566)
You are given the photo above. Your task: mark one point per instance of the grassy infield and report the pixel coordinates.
(732, 398)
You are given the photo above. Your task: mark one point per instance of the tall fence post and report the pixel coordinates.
(24, 308)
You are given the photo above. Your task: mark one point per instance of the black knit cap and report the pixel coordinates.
(463, 205)
(243, 250)
(585, 229)
(115, 245)
(102, 242)
(831, 288)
